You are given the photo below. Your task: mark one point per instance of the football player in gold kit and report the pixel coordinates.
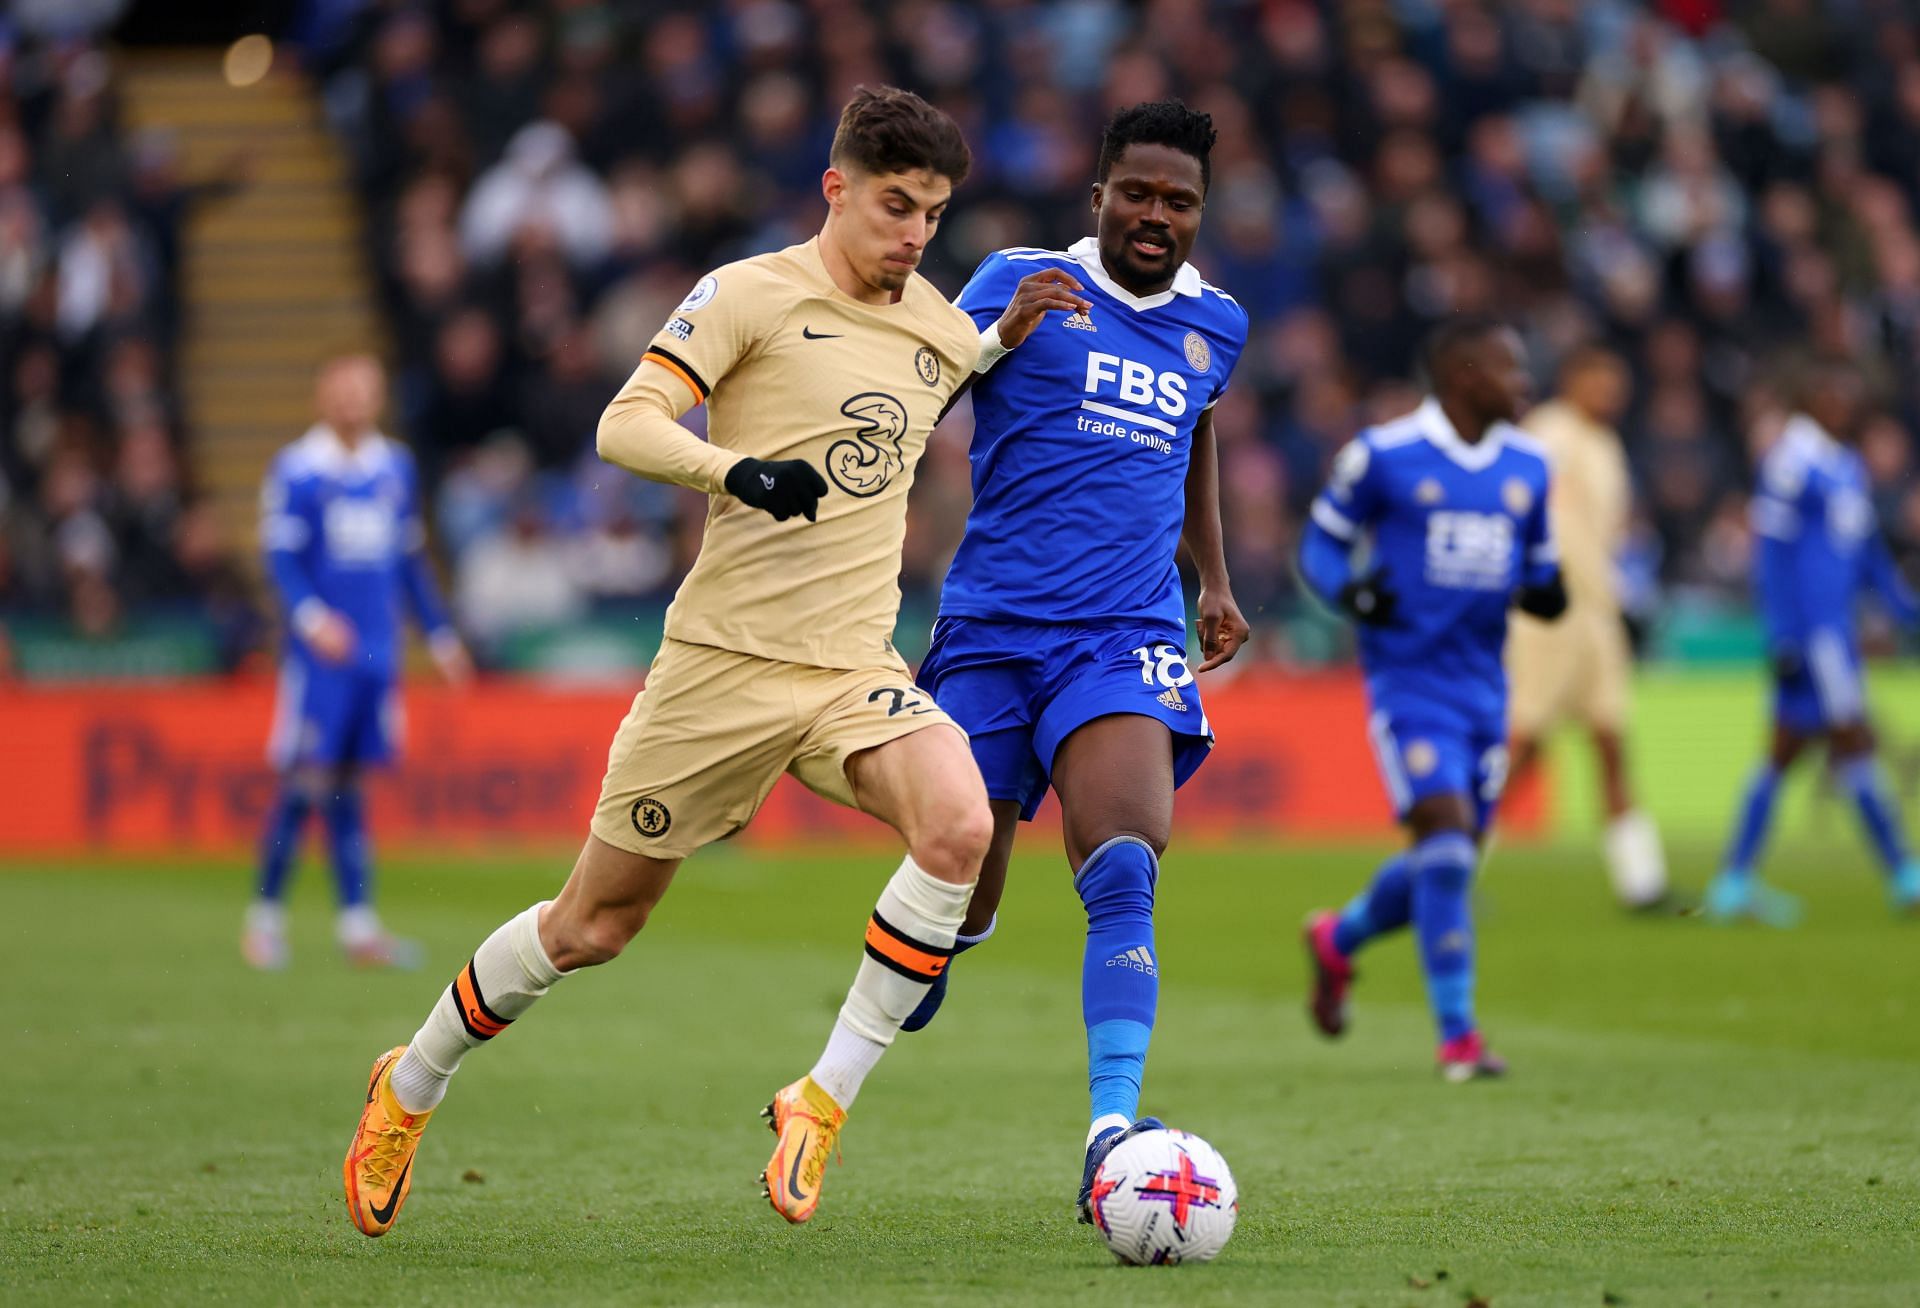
(824, 367)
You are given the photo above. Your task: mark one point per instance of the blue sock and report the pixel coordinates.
(1120, 977)
(1386, 905)
(1442, 868)
(281, 843)
(1756, 812)
(346, 819)
(1863, 779)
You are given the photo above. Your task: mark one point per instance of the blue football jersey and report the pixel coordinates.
(1819, 541)
(1455, 529)
(1080, 445)
(342, 529)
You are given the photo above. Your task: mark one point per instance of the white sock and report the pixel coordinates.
(268, 916)
(1107, 1123)
(358, 925)
(845, 1062)
(909, 942)
(508, 972)
(1636, 863)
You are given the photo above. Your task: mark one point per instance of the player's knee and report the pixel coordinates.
(1084, 838)
(955, 842)
(596, 937)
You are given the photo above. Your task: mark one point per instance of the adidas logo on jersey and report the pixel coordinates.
(1136, 959)
(1080, 322)
(1171, 698)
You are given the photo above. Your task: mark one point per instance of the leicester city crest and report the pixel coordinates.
(1517, 496)
(1198, 355)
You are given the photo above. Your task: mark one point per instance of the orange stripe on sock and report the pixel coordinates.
(918, 961)
(654, 356)
(478, 1020)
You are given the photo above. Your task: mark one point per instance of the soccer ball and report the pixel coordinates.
(1165, 1197)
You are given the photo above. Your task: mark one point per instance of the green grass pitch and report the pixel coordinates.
(1697, 1115)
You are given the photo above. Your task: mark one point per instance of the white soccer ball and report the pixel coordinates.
(1165, 1197)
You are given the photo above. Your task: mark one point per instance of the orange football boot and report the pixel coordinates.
(379, 1166)
(808, 1123)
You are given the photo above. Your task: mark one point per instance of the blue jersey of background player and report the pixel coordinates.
(1061, 641)
(1817, 547)
(1450, 505)
(340, 522)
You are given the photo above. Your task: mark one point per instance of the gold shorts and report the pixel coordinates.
(1574, 669)
(713, 730)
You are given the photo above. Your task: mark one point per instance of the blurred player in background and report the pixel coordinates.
(1450, 505)
(346, 552)
(1817, 547)
(1579, 667)
(1061, 643)
(826, 365)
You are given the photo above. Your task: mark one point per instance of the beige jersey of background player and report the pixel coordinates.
(1592, 498)
(791, 367)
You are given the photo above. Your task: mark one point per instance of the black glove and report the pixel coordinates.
(787, 488)
(1368, 600)
(1546, 601)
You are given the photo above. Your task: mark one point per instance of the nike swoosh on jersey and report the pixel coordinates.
(813, 335)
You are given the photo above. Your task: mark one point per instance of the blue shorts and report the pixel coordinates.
(1020, 688)
(331, 716)
(1426, 750)
(1826, 690)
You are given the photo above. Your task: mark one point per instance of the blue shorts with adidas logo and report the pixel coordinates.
(1020, 688)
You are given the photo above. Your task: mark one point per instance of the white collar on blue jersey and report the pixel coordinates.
(1086, 252)
(1441, 433)
(330, 454)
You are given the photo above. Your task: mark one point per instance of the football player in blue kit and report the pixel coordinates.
(1818, 546)
(340, 521)
(1061, 639)
(1449, 505)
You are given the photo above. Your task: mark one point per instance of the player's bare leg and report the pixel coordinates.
(604, 904)
(1114, 777)
(927, 787)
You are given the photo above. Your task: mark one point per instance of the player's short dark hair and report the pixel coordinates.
(1160, 122)
(884, 129)
(1454, 335)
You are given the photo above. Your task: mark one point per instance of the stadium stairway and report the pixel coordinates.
(274, 276)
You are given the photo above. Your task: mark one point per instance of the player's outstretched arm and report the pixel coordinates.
(641, 432)
(1223, 629)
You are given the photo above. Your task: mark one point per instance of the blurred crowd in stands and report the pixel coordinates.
(1717, 189)
(98, 515)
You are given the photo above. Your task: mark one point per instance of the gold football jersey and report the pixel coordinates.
(791, 367)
